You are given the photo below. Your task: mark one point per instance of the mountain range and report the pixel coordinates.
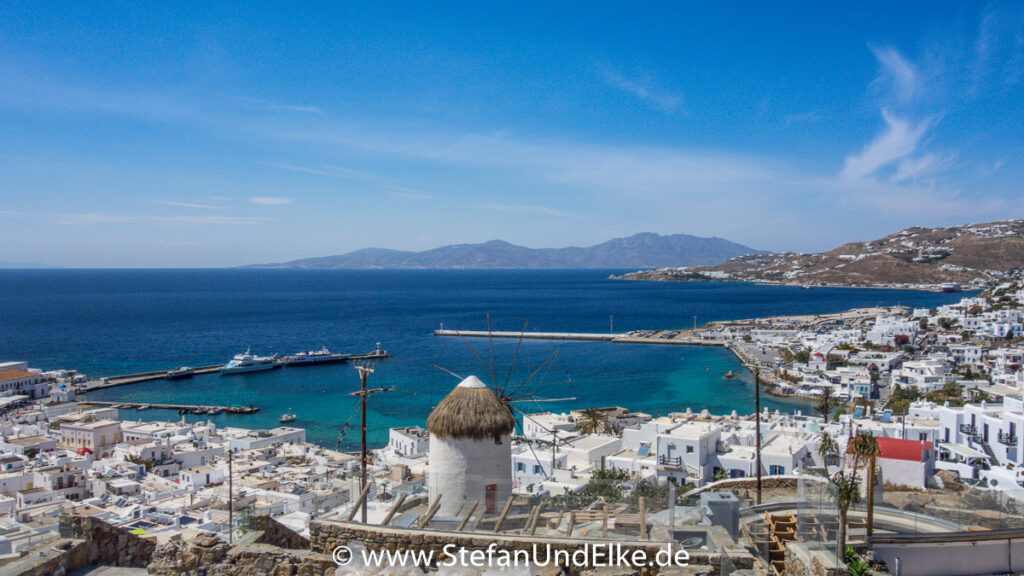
(969, 254)
(645, 250)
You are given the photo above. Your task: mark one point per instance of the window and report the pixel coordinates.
(689, 449)
(737, 473)
(520, 467)
(536, 469)
(776, 470)
(945, 435)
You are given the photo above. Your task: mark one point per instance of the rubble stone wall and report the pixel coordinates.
(326, 535)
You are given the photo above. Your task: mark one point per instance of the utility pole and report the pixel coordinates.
(757, 428)
(364, 371)
(231, 500)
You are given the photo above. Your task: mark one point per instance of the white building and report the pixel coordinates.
(15, 382)
(923, 375)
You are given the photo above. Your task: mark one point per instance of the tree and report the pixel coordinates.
(901, 340)
(591, 421)
(946, 323)
(802, 356)
(865, 446)
(844, 483)
(923, 323)
(824, 405)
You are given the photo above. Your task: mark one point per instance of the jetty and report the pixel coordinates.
(189, 407)
(111, 381)
(677, 337)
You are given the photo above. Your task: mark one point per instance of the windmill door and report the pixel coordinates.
(490, 497)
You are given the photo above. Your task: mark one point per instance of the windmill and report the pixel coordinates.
(470, 435)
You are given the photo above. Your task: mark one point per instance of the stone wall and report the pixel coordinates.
(209, 556)
(802, 561)
(326, 535)
(108, 545)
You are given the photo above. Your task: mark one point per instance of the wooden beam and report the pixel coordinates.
(504, 513)
(472, 508)
(425, 521)
(604, 523)
(479, 519)
(394, 509)
(360, 501)
(459, 509)
(643, 518)
(572, 523)
(531, 524)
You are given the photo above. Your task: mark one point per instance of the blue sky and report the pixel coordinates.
(205, 135)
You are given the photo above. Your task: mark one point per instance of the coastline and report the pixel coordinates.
(917, 287)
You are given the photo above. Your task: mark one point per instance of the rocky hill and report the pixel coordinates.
(976, 254)
(638, 251)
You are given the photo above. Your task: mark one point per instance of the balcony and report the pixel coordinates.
(1007, 440)
(673, 461)
(969, 429)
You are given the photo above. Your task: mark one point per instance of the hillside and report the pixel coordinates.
(972, 253)
(644, 250)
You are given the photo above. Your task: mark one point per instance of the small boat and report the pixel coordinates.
(143, 407)
(215, 410)
(179, 373)
(199, 410)
(184, 411)
(730, 375)
(287, 417)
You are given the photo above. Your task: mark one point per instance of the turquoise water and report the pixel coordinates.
(108, 322)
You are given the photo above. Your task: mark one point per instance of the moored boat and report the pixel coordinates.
(179, 373)
(249, 362)
(287, 417)
(321, 356)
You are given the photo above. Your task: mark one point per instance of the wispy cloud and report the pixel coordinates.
(195, 205)
(107, 218)
(643, 88)
(271, 105)
(897, 74)
(528, 209)
(328, 171)
(270, 200)
(899, 139)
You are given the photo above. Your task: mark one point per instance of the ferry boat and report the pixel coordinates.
(179, 373)
(949, 287)
(287, 417)
(321, 356)
(249, 362)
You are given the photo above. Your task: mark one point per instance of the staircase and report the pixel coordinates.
(987, 449)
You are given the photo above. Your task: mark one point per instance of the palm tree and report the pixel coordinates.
(865, 446)
(591, 421)
(827, 447)
(844, 481)
(824, 405)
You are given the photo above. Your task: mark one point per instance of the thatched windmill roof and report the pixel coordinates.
(471, 411)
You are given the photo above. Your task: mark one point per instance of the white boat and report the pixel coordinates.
(249, 362)
(287, 417)
(321, 356)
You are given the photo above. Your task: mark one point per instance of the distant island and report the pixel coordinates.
(645, 250)
(937, 258)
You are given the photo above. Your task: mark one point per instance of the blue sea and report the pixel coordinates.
(111, 322)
